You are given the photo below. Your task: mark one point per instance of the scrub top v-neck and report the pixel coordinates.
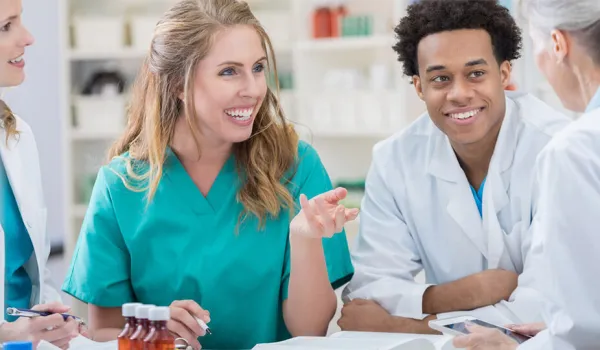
(220, 191)
(184, 245)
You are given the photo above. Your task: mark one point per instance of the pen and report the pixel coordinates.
(13, 311)
(203, 325)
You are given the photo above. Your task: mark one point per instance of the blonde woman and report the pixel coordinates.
(24, 246)
(200, 207)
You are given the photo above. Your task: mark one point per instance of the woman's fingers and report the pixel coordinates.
(325, 217)
(42, 324)
(310, 215)
(181, 331)
(351, 214)
(184, 317)
(63, 343)
(528, 329)
(58, 335)
(55, 307)
(340, 219)
(196, 310)
(334, 196)
(466, 341)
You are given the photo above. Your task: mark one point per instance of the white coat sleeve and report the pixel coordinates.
(525, 304)
(385, 258)
(566, 235)
(50, 293)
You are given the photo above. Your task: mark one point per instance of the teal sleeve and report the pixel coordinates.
(100, 269)
(312, 179)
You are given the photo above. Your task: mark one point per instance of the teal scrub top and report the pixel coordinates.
(18, 249)
(595, 102)
(478, 196)
(184, 246)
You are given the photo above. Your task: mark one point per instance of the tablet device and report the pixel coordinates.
(457, 326)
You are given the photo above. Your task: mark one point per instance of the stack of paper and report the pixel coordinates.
(82, 343)
(363, 341)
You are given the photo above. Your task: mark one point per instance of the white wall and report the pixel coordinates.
(38, 102)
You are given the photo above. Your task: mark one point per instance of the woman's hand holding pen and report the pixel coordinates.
(53, 329)
(184, 324)
(322, 216)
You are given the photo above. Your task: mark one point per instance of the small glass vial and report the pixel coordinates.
(136, 341)
(128, 311)
(159, 337)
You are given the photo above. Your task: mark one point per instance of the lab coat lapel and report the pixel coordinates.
(444, 165)
(495, 194)
(12, 157)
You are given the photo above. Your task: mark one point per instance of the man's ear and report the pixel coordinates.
(418, 88)
(505, 74)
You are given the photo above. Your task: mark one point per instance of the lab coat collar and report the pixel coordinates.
(594, 102)
(13, 163)
(442, 161)
(12, 158)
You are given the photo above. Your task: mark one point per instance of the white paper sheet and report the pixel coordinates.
(333, 343)
(82, 343)
(364, 341)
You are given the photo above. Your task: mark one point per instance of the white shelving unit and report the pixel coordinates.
(348, 93)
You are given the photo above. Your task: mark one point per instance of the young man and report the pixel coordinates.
(451, 194)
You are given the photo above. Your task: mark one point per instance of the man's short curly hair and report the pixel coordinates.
(428, 17)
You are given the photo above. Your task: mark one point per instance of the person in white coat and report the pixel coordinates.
(23, 242)
(565, 230)
(451, 194)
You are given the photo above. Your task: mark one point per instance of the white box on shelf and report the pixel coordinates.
(100, 114)
(142, 30)
(99, 33)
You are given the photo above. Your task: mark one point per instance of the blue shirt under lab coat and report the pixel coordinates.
(478, 195)
(18, 249)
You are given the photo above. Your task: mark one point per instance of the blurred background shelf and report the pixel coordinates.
(347, 43)
(89, 135)
(91, 55)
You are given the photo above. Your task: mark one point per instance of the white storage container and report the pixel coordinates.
(142, 30)
(100, 113)
(99, 33)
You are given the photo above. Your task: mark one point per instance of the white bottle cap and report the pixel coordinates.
(160, 314)
(142, 311)
(129, 309)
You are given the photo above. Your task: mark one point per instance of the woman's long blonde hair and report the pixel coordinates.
(181, 39)
(8, 121)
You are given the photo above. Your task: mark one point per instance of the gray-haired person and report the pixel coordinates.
(566, 35)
